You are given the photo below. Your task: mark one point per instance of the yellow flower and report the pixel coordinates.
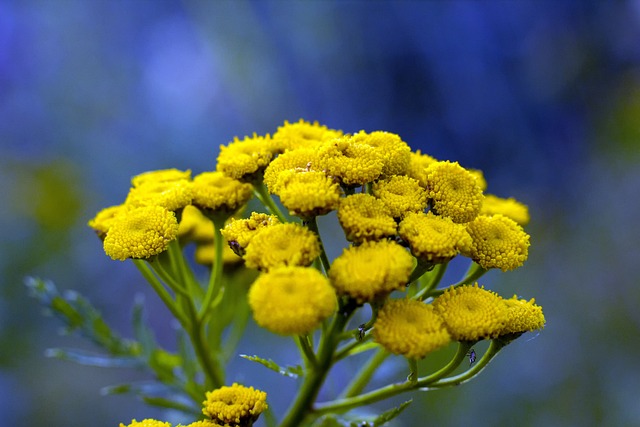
(194, 226)
(479, 176)
(171, 195)
(522, 316)
(205, 254)
(418, 163)
(141, 233)
(454, 191)
(396, 154)
(243, 159)
(410, 328)
(401, 194)
(510, 208)
(147, 423)
(298, 160)
(498, 242)
(103, 219)
(215, 191)
(471, 313)
(308, 194)
(371, 270)
(235, 405)
(163, 175)
(292, 300)
(363, 217)
(239, 232)
(353, 163)
(281, 245)
(433, 238)
(292, 136)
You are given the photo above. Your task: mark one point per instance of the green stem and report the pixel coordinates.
(215, 279)
(421, 268)
(494, 348)
(261, 192)
(434, 278)
(214, 377)
(362, 378)
(306, 350)
(473, 273)
(312, 224)
(159, 288)
(463, 349)
(301, 406)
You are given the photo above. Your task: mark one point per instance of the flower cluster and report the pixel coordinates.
(228, 406)
(404, 216)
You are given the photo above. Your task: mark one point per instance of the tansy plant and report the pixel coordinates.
(405, 216)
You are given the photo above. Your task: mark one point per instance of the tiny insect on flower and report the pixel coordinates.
(472, 356)
(361, 332)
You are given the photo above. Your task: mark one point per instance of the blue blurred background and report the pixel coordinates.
(543, 96)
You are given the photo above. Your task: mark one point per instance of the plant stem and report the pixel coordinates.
(312, 224)
(215, 279)
(362, 378)
(160, 289)
(494, 348)
(473, 273)
(434, 278)
(261, 192)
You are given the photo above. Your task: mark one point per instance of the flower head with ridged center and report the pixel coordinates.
(162, 175)
(433, 238)
(371, 270)
(203, 423)
(291, 136)
(239, 232)
(410, 328)
(298, 160)
(235, 405)
(352, 162)
(363, 217)
(453, 191)
(282, 245)
(511, 208)
(523, 316)
(103, 219)
(171, 195)
(147, 423)
(216, 192)
(308, 194)
(401, 194)
(418, 163)
(292, 300)
(396, 154)
(497, 242)
(243, 159)
(471, 313)
(479, 176)
(141, 233)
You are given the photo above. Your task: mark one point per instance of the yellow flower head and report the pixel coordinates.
(418, 163)
(522, 316)
(147, 423)
(163, 175)
(401, 194)
(432, 238)
(471, 313)
(205, 254)
(239, 232)
(194, 226)
(235, 405)
(308, 194)
(396, 154)
(215, 191)
(281, 245)
(510, 208)
(292, 300)
(498, 242)
(410, 328)
(479, 176)
(299, 160)
(203, 423)
(171, 195)
(141, 233)
(363, 217)
(242, 159)
(371, 270)
(103, 219)
(291, 136)
(454, 191)
(352, 162)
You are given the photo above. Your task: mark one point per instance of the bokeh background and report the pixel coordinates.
(543, 96)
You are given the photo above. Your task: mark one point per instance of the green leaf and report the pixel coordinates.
(387, 416)
(289, 371)
(91, 359)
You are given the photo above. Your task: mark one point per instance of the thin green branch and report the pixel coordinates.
(364, 375)
(261, 192)
(312, 224)
(434, 278)
(161, 291)
(474, 272)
